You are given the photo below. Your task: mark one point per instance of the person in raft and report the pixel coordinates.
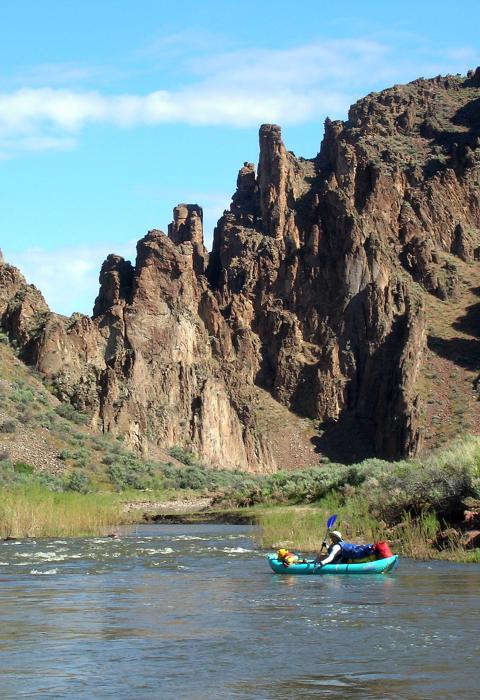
(340, 552)
(334, 550)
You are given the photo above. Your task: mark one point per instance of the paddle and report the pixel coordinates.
(330, 523)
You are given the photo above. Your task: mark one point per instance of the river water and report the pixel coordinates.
(177, 611)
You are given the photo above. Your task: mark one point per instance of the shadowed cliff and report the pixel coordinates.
(326, 279)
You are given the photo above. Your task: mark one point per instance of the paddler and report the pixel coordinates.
(334, 550)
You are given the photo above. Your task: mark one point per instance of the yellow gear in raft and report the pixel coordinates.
(286, 557)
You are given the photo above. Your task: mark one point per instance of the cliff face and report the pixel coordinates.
(317, 291)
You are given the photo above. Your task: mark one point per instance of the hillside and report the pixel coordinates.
(335, 317)
(42, 438)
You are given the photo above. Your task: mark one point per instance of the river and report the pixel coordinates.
(193, 611)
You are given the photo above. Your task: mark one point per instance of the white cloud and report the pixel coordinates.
(67, 277)
(308, 64)
(32, 111)
(464, 54)
(239, 88)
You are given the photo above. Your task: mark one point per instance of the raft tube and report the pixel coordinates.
(380, 566)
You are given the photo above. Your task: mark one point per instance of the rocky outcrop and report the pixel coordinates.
(144, 365)
(23, 310)
(471, 524)
(315, 291)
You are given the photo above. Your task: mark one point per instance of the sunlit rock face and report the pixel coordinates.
(315, 292)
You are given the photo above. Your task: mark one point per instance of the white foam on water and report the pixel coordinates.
(49, 572)
(18, 543)
(236, 550)
(167, 550)
(42, 556)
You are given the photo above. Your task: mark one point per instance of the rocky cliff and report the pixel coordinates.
(326, 279)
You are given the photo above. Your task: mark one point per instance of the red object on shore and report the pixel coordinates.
(382, 550)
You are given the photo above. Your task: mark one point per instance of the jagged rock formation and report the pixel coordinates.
(315, 291)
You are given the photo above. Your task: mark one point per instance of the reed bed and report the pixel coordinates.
(302, 529)
(36, 512)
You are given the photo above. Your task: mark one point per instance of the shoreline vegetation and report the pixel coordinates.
(417, 505)
(59, 478)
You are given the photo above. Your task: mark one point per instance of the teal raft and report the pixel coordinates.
(380, 566)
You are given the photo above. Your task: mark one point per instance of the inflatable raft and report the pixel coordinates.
(380, 566)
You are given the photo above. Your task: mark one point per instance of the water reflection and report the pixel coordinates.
(194, 612)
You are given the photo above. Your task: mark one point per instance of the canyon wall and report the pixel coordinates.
(315, 293)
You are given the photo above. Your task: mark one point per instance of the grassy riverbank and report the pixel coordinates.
(36, 512)
(302, 528)
(60, 478)
(416, 505)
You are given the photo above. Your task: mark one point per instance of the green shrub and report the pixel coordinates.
(136, 476)
(193, 478)
(23, 395)
(183, 455)
(23, 468)
(8, 426)
(48, 420)
(66, 410)
(77, 481)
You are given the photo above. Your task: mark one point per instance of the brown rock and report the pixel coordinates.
(471, 539)
(316, 291)
(187, 227)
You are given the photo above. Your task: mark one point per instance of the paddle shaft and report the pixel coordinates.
(330, 522)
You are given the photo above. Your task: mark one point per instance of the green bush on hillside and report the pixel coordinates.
(20, 474)
(78, 481)
(8, 426)
(66, 410)
(23, 468)
(133, 475)
(183, 455)
(437, 484)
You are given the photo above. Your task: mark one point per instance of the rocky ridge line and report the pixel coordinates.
(314, 291)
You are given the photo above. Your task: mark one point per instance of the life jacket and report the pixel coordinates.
(339, 555)
(356, 551)
(382, 550)
(286, 557)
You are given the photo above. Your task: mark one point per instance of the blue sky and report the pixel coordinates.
(114, 111)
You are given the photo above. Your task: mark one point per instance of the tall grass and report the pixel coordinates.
(302, 529)
(36, 512)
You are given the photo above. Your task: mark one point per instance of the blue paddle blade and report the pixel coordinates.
(331, 520)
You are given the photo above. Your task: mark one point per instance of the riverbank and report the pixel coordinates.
(302, 528)
(420, 508)
(39, 513)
